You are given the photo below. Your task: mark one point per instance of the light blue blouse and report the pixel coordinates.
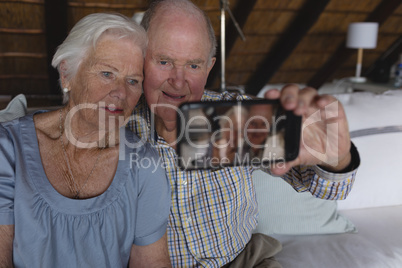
(55, 231)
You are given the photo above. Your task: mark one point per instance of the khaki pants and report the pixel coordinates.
(259, 252)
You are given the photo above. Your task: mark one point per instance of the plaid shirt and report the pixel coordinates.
(214, 213)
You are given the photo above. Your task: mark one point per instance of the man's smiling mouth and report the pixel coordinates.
(173, 96)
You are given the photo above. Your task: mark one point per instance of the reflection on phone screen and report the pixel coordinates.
(219, 136)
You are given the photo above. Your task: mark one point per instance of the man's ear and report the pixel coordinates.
(212, 63)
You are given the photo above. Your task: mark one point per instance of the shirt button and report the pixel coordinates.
(188, 220)
(184, 182)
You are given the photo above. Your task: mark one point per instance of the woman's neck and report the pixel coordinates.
(84, 135)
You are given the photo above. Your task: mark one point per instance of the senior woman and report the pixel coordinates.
(72, 191)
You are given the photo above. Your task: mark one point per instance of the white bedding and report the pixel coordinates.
(366, 249)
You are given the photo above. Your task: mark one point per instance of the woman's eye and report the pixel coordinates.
(107, 74)
(133, 82)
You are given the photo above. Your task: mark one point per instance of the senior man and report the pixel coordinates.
(214, 213)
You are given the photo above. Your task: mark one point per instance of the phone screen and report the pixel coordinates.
(213, 135)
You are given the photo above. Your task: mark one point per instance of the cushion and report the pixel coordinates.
(16, 108)
(282, 210)
(377, 245)
(375, 122)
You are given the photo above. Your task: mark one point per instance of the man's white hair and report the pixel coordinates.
(187, 7)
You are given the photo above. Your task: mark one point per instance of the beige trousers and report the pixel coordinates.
(259, 253)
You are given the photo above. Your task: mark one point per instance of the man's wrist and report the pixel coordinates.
(353, 163)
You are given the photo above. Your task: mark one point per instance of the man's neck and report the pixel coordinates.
(167, 130)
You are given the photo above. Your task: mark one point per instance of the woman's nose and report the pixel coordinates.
(119, 90)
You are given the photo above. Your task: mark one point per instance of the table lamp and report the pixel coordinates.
(137, 17)
(361, 35)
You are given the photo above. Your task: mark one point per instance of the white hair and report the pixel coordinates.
(84, 36)
(236, 113)
(188, 8)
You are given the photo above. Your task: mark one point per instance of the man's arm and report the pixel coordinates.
(153, 255)
(327, 161)
(6, 245)
(325, 133)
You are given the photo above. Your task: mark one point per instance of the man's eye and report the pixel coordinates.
(194, 66)
(165, 64)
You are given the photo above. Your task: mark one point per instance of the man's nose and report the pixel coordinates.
(177, 77)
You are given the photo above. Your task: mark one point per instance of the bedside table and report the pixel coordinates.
(369, 86)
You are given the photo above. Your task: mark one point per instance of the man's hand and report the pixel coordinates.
(325, 139)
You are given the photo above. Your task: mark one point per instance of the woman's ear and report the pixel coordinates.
(63, 74)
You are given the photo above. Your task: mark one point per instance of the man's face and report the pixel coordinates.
(177, 63)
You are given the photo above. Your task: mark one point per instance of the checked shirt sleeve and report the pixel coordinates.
(323, 184)
(320, 183)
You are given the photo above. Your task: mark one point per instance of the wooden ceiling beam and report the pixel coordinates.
(306, 18)
(383, 64)
(380, 14)
(240, 13)
(56, 31)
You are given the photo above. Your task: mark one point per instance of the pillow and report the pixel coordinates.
(282, 210)
(375, 123)
(16, 108)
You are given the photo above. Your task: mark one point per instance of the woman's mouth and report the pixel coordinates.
(113, 110)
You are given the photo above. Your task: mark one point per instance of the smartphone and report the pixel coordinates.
(213, 135)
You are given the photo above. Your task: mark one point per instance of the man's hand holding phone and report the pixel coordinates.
(325, 138)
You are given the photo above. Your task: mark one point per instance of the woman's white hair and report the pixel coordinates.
(84, 36)
(236, 113)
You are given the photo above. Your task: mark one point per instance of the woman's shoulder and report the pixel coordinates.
(23, 121)
(47, 123)
(14, 122)
(13, 127)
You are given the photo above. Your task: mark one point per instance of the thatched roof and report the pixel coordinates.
(297, 41)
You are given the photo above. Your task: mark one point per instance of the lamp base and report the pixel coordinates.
(358, 79)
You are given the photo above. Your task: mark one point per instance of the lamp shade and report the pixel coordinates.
(137, 17)
(362, 35)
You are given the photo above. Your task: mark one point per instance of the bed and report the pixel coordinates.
(378, 243)
(365, 230)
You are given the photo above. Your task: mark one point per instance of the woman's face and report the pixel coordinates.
(107, 85)
(258, 124)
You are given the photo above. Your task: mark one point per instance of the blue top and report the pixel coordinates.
(52, 230)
